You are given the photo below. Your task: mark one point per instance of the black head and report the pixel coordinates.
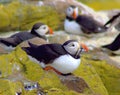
(73, 6)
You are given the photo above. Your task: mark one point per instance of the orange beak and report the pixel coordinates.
(50, 31)
(74, 15)
(84, 47)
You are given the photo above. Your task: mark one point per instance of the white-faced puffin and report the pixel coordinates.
(80, 24)
(38, 30)
(62, 58)
(113, 47)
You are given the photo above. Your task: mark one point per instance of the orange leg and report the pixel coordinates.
(47, 68)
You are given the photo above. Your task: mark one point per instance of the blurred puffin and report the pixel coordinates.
(114, 47)
(38, 30)
(79, 24)
(115, 20)
(63, 59)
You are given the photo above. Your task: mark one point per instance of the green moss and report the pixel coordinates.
(102, 78)
(60, 92)
(49, 80)
(9, 65)
(18, 16)
(16, 87)
(110, 76)
(88, 72)
(5, 88)
(31, 71)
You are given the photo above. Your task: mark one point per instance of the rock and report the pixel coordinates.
(2, 50)
(98, 54)
(17, 71)
(111, 13)
(61, 5)
(74, 83)
(59, 37)
(62, 36)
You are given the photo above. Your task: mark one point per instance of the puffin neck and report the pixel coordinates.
(69, 18)
(40, 36)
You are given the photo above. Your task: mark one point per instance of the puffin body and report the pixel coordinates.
(113, 47)
(15, 39)
(72, 27)
(80, 24)
(63, 59)
(38, 30)
(89, 25)
(66, 64)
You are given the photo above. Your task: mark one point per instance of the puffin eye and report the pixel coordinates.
(69, 9)
(44, 27)
(73, 45)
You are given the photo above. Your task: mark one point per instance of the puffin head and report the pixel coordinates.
(72, 11)
(74, 48)
(41, 29)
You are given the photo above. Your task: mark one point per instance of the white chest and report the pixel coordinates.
(72, 27)
(66, 64)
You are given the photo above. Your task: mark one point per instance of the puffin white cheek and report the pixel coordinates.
(69, 13)
(40, 31)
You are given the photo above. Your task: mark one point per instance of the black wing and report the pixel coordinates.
(112, 19)
(16, 39)
(45, 53)
(89, 24)
(115, 45)
(23, 36)
(9, 41)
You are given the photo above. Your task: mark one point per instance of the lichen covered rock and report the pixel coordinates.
(20, 75)
(19, 16)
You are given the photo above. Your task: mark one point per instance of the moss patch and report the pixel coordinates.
(18, 16)
(102, 78)
(88, 72)
(109, 75)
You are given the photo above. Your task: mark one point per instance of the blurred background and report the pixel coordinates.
(20, 15)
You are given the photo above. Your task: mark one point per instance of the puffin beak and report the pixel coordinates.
(74, 15)
(84, 47)
(50, 31)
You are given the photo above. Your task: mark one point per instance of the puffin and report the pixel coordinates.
(114, 47)
(61, 58)
(81, 24)
(115, 20)
(39, 30)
